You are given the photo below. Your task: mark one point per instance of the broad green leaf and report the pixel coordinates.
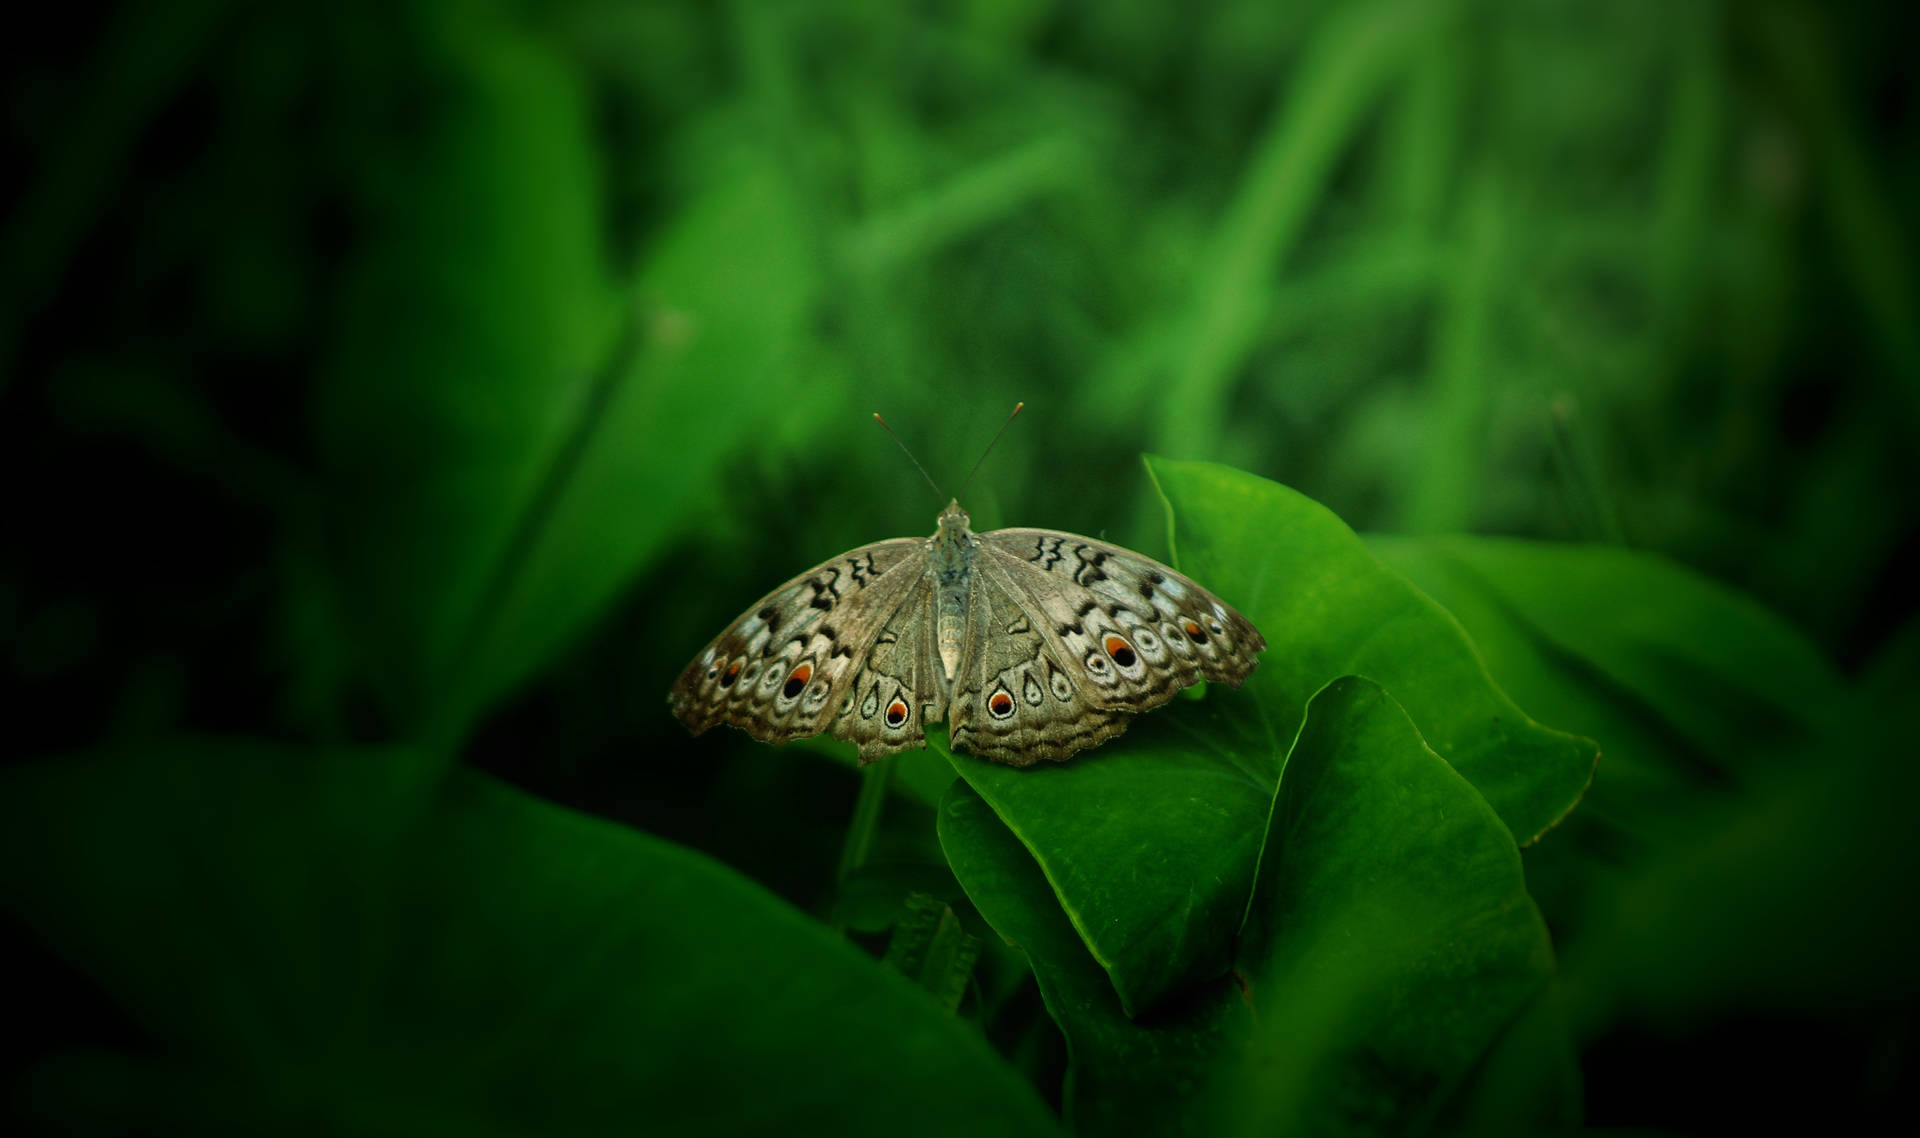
(518, 435)
(1151, 841)
(1649, 784)
(1150, 845)
(1390, 943)
(1791, 899)
(1126, 1076)
(1329, 608)
(301, 932)
(1391, 973)
(474, 313)
(1731, 679)
(725, 297)
(1691, 689)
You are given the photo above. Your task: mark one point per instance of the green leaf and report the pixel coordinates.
(301, 932)
(1692, 689)
(1391, 973)
(725, 297)
(517, 435)
(1151, 841)
(1782, 903)
(1731, 679)
(474, 312)
(1126, 1076)
(1150, 846)
(1390, 942)
(1330, 608)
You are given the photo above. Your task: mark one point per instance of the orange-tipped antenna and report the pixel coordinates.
(989, 450)
(909, 454)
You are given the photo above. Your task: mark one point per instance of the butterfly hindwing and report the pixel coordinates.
(896, 689)
(1015, 701)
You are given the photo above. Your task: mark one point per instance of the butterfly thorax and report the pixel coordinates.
(950, 569)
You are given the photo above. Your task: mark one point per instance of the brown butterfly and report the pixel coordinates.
(1031, 644)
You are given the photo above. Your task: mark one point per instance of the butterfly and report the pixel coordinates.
(1031, 644)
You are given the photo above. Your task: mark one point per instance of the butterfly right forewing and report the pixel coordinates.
(1131, 630)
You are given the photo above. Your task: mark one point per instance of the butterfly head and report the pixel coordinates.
(953, 520)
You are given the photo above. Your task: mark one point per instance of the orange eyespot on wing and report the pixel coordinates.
(797, 680)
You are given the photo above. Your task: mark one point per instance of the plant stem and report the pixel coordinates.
(874, 779)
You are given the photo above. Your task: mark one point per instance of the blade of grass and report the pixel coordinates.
(1351, 59)
(1444, 486)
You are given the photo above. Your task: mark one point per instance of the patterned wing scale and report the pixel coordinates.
(1133, 629)
(784, 669)
(1014, 701)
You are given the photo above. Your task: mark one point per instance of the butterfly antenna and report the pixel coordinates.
(989, 450)
(909, 454)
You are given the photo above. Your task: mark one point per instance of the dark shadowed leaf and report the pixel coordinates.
(1392, 973)
(322, 932)
(1691, 689)
(518, 427)
(1390, 944)
(1127, 1076)
(473, 316)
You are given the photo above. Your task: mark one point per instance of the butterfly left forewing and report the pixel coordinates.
(781, 671)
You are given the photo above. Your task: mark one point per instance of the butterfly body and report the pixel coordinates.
(1031, 644)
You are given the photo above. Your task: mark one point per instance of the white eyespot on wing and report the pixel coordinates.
(1059, 684)
(774, 675)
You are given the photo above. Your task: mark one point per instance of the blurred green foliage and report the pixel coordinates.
(394, 396)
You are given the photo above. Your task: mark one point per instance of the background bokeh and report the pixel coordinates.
(450, 372)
